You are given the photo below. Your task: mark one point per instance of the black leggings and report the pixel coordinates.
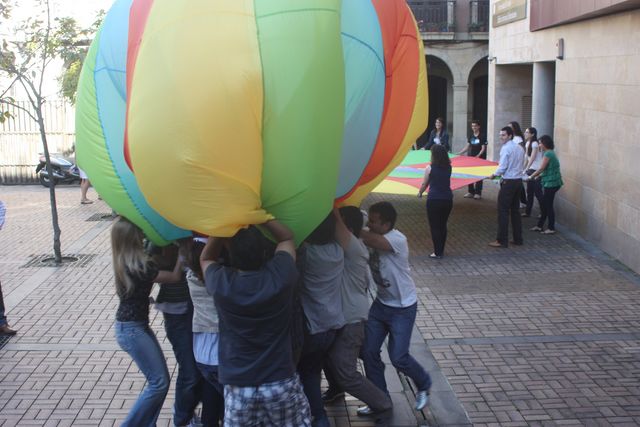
(548, 194)
(438, 214)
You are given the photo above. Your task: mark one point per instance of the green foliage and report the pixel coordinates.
(27, 51)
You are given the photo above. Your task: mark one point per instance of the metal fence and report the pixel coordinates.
(20, 142)
(479, 16)
(434, 15)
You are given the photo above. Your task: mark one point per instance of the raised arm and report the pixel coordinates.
(375, 241)
(211, 252)
(342, 234)
(283, 236)
(175, 276)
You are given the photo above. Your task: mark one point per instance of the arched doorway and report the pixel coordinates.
(478, 91)
(440, 82)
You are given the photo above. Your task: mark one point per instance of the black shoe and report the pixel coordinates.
(331, 395)
(520, 243)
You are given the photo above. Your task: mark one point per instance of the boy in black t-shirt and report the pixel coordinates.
(476, 147)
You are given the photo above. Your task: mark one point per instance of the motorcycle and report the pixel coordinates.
(64, 171)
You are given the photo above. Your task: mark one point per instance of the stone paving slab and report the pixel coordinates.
(543, 334)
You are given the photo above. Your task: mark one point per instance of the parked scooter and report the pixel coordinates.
(64, 171)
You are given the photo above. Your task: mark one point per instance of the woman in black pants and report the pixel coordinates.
(437, 177)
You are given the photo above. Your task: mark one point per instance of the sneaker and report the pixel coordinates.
(331, 395)
(434, 256)
(7, 331)
(468, 196)
(422, 399)
(548, 231)
(364, 411)
(523, 206)
(497, 244)
(477, 196)
(536, 228)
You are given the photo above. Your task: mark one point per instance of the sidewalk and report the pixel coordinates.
(546, 333)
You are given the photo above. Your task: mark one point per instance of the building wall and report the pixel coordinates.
(510, 83)
(597, 120)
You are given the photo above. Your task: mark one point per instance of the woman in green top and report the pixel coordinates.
(549, 172)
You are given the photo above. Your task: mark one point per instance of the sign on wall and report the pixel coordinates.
(507, 11)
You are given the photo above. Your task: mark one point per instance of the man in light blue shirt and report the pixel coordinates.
(510, 170)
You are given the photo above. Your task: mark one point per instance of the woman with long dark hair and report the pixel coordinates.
(533, 160)
(439, 136)
(549, 173)
(135, 273)
(437, 177)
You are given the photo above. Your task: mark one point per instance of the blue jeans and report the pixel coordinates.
(212, 396)
(314, 352)
(188, 383)
(139, 341)
(398, 324)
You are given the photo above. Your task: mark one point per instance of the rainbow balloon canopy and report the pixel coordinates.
(209, 116)
(407, 177)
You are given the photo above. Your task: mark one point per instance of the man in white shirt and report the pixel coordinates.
(510, 169)
(394, 310)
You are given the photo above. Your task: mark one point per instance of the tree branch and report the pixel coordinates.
(19, 107)
(2, 95)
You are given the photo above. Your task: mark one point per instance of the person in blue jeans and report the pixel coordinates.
(393, 312)
(135, 274)
(321, 265)
(174, 302)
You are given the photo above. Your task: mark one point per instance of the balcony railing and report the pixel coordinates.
(479, 16)
(434, 15)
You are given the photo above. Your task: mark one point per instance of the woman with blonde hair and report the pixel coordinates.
(135, 273)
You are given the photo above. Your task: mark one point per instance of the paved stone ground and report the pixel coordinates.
(543, 334)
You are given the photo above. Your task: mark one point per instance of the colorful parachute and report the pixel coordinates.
(209, 116)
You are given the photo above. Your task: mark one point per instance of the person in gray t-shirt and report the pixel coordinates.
(321, 264)
(342, 365)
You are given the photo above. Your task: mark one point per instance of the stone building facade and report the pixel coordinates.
(455, 35)
(572, 70)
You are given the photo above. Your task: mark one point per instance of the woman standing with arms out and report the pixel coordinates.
(439, 136)
(549, 172)
(437, 177)
(135, 274)
(533, 162)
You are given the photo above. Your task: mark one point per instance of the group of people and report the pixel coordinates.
(532, 161)
(523, 159)
(254, 323)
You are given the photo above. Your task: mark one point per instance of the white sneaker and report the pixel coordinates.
(468, 196)
(477, 196)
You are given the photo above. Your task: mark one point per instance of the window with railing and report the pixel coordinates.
(434, 15)
(479, 16)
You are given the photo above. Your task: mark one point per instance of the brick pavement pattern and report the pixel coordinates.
(543, 334)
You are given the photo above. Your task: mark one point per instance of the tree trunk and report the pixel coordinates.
(52, 189)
